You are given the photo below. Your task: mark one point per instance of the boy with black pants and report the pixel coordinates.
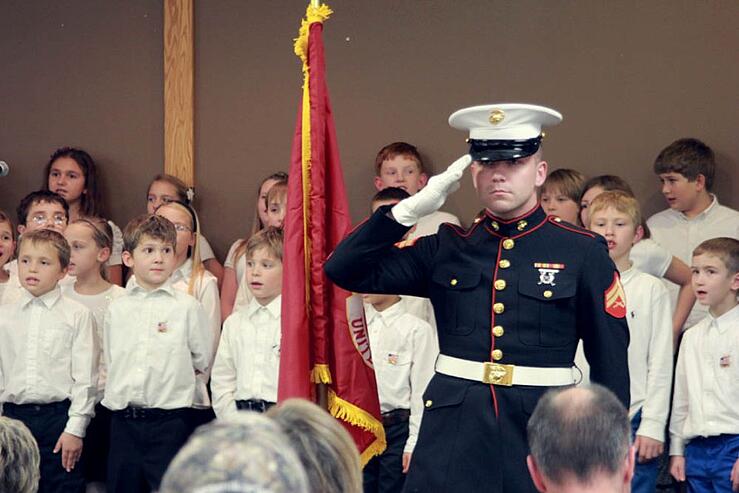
(155, 338)
(48, 356)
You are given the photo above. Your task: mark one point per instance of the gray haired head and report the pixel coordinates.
(579, 432)
(244, 454)
(19, 457)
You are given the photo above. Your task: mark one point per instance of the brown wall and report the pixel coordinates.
(629, 77)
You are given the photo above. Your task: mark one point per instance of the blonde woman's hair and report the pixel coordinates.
(325, 448)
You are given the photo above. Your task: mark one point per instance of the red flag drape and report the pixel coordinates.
(323, 328)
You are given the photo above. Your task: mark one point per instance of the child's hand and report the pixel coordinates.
(677, 467)
(735, 476)
(71, 447)
(647, 448)
(407, 462)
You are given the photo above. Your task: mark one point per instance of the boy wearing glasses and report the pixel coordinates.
(40, 210)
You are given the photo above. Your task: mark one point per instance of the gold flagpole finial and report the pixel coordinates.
(315, 3)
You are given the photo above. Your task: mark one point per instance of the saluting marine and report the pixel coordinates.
(512, 296)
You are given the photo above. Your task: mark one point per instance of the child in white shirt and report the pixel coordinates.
(155, 339)
(616, 216)
(10, 288)
(91, 242)
(704, 428)
(48, 361)
(404, 350)
(246, 369)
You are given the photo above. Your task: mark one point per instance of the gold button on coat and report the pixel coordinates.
(504, 264)
(429, 403)
(500, 284)
(453, 282)
(508, 243)
(498, 308)
(548, 294)
(497, 354)
(498, 331)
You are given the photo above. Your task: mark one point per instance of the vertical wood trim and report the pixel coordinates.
(179, 90)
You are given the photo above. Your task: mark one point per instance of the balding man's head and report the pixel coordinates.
(578, 434)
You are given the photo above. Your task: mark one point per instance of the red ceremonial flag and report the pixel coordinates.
(324, 332)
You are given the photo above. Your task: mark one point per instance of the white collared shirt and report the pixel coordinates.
(649, 317)
(680, 235)
(650, 257)
(48, 354)
(153, 342)
(247, 364)
(205, 290)
(404, 350)
(429, 224)
(11, 291)
(98, 306)
(706, 399)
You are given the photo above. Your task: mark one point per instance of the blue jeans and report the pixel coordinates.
(645, 473)
(708, 463)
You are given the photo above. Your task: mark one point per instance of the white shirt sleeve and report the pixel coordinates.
(425, 351)
(117, 250)
(200, 338)
(659, 367)
(650, 257)
(84, 370)
(679, 402)
(223, 376)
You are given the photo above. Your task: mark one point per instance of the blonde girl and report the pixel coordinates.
(167, 188)
(91, 240)
(10, 288)
(192, 278)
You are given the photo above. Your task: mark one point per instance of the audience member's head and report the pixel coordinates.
(560, 194)
(399, 165)
(19, 458)
(580, 440)
(7, 239)
(326, 450)
(244, 454)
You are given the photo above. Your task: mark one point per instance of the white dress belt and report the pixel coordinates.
(506, 375)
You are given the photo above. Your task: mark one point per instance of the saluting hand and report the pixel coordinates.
(429, 199)
(71, 447)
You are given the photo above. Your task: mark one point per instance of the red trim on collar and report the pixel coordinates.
(575, 229)
(459, 231)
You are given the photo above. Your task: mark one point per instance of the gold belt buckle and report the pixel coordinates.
(497, 374)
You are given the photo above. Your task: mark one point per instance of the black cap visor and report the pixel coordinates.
(488, 151)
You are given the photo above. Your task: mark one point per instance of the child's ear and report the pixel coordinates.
(103, 255)
(127, 259)
(423, 179)
(378, 183)
(638, 234)
(735, 282)
(21, 229)
(700, 182)
(63, 273)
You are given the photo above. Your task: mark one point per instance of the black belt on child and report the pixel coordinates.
(131, 412)
(396, 416)
(258, 405)
(37, 407)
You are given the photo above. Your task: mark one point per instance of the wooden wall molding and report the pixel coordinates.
(179, 90)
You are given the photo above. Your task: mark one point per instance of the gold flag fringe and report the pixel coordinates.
(320, 373)
(341, 409)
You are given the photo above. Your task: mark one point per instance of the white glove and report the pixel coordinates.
(429, 199)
